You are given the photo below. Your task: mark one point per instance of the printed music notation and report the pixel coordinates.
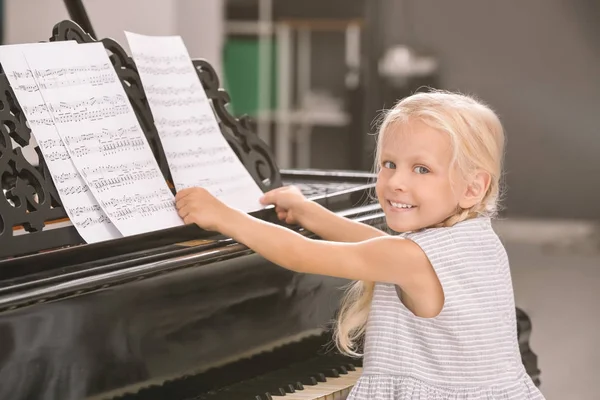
(79, 203)
(226, 185)
(145, 59)
(74, 189)
(144, 210)
(184, 127)
(117, 101)
(95, 81)
(169, 70)
(102, 184)
(170, 90)
(128, 167)
(198, 152)
(201, 164)
(66, 77)
(92, 221)
(194, 146)
(145, 204)
(95, 121)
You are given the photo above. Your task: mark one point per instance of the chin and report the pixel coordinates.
(402, 226)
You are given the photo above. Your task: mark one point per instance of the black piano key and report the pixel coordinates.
(289, 388)
(332, 373)
(320, 377)
(265, 384)
(310, 381)
(290, 379)
(241, 392)
(312, 376)
(307, 373)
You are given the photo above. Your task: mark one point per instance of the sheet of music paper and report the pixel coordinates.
(196, 150)
(81, 206)
(97, 124)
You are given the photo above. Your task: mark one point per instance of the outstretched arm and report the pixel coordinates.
(294, 208)
(384, 259)
(330, 226)
(387, 259)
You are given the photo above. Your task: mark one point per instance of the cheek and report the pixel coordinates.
(439, 190)
(383, 180)
(379, 189)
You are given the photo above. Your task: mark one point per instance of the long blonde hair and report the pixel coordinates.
(478, 140)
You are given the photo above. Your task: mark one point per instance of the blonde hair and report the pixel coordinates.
(477, 139)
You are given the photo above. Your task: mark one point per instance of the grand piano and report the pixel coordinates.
(175, 314)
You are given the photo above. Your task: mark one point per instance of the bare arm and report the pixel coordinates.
(330, 226)
(383, 258)
(380, 259)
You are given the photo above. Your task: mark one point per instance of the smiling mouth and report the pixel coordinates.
(401, 206)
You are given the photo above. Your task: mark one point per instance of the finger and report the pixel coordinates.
(282, 215)
(270, 196)
(266, 199)
(279, 209)
(188, 220)
(187, 198)
(184, 192)
(182, 202)
(185, 211)
(289, 219)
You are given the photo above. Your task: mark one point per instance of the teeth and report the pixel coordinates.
(401, 205)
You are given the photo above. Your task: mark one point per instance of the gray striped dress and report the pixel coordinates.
(470, 350)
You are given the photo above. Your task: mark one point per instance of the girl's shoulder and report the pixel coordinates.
(470, 227)
(466, 258)
(475, 236)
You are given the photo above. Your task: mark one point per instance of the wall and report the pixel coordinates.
(538, 64)
(200, 23)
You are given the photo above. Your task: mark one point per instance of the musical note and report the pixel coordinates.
(196, 151)
(79, 203)
(102, 135)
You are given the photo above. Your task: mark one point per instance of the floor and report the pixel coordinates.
(556, 275)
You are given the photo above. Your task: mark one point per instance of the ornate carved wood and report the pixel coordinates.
(30, 199)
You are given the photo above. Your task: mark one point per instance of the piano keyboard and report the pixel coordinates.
(333, 389)
(329, 377)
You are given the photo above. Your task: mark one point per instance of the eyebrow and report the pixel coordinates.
(418, 158)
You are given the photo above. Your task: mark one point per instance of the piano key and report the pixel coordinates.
(333, 389)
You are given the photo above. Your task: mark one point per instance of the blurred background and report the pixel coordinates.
(314, 75)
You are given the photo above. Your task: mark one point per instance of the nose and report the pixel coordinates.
(398, 181)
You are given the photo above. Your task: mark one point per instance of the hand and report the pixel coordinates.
(289, 203)
(198, 206)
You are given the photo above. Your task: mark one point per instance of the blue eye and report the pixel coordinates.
(389, 164)
(421, 170)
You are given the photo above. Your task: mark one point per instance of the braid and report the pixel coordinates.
(487, 206)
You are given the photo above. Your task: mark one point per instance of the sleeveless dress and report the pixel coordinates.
(470, 350)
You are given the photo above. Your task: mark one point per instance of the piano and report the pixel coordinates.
(176, 314)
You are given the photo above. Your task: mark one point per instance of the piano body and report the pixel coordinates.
(176, 314)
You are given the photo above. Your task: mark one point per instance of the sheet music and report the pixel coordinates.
(102, 135)
(79, 203)
(197, 152)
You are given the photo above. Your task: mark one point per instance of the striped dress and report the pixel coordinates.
(470, 350)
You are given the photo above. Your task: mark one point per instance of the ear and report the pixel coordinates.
(476, 189)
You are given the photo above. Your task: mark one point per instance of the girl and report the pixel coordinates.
(434, 304)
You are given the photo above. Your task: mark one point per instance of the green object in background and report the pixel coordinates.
(240, 64)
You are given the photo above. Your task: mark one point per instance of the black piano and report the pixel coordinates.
(176, 314)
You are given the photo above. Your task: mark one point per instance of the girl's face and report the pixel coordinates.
(417, 185)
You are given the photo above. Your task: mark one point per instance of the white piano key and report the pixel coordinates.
(334, 389)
